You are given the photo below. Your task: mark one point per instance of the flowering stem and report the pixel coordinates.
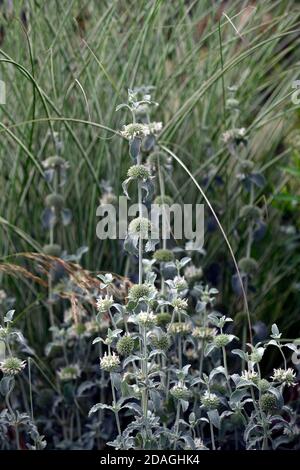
(145, 373)
(114, 399)
(140, 215)
(226, 369)
(177, 423)
(212, 435)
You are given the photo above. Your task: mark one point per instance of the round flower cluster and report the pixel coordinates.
(250, 212)
(3, 333)
(284, 376)
(193, 274)
(141, 291)
(160, 200)
(180, 328)
(163, 256)
(250, 375)
(104, 303)
(180, 392)
(163, 318)
(12, 365)
(221, 340)
(146, 319)
(108, 198)
(138, 172)
(70, 372)
(179, 283)
(125, 345)
(109, 362)
(248, 265)
(263, 385)
(160, 341)
(204, 333)
(234, 135)
(210, 400)
(54, 200)
(52, 250)
(268, 402)
(130, 131)
(54, 162)
(155, 127)
(140, 226)
(180, 304)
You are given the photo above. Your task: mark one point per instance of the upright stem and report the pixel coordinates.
(212, 435)
(226, 369)
(177, 423)
(140, 203)
(114, 400)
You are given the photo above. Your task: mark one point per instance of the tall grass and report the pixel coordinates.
(67, 65)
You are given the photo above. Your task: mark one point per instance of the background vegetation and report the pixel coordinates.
(68, 64)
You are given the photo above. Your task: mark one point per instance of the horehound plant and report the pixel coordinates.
(25, 433)
(170, 355)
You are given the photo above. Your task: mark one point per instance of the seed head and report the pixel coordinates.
(54, 162)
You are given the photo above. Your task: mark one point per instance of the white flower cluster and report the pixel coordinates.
(249, 375)
(104, 303)
(146, 319)
(233, 134)
(109, 362)
(137, 129)
(284, 376)
(12, 365)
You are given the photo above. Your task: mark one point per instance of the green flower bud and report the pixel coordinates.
(250, 212)
(52, 250)
(221, 340)
(140, 291)
(248, 265)
(263, 385)
(163, 256)
(160, 200)
(163, 318)
(125, 345)
(160, 341)
(139, 172)
(210, 400)
(54, 200)
(180, 392)
(268, 402)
